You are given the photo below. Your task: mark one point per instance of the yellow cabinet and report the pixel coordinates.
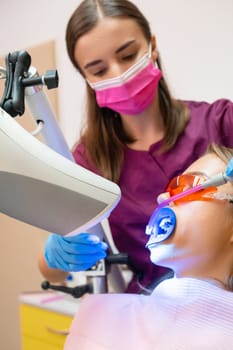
(45, 325)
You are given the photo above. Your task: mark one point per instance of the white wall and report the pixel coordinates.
(27, 23)
(195, 41)
(194, 38)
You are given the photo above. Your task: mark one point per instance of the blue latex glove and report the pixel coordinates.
(229, 169)
(74, 253)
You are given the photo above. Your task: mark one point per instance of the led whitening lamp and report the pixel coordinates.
(42, 188)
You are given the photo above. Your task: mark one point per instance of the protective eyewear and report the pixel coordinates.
(188, 187)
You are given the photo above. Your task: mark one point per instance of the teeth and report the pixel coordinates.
(163, 227)
(165, 224)
(161, 224)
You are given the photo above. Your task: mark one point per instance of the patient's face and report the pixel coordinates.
(203, 229)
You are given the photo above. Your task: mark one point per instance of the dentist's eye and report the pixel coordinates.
(100, 73)
(129, 57)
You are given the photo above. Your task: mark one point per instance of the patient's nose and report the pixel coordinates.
(162, 197)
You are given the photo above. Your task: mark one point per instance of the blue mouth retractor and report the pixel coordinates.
(162, 224)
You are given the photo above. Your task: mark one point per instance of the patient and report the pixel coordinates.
(194, 310)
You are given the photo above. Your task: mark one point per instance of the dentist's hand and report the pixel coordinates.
(74, 253)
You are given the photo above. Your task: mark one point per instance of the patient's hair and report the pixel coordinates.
(225, 154)
(222, 152)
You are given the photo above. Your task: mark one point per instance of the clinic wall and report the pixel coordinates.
(194, 38)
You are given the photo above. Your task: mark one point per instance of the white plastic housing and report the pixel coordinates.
(45, 189)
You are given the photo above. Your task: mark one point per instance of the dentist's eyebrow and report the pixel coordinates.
(92, 63)
(121, 48)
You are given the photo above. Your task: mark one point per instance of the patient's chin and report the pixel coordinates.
(162, 255)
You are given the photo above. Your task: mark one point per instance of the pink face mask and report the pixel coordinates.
(131, 92)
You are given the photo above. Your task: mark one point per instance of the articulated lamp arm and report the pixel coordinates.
(39, 182)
